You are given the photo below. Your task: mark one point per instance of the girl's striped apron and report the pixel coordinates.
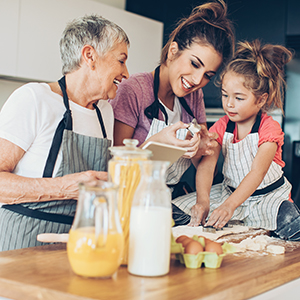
(21, 223)
(261, 208)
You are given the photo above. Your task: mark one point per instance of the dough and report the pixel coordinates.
(258, 243)
(275, 249)
(255, 244)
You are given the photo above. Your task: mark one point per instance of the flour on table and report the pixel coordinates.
(259, 243)
(190, 231)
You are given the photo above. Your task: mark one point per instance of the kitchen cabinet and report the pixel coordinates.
(9, 12)
(38, 26)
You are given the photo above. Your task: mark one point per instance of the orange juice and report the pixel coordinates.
(89, 260)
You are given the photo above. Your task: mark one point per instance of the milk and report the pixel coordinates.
(149, 240)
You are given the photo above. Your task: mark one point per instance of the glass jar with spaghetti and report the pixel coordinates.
(124, 170)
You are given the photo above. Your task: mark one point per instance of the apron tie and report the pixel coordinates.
(65, 123)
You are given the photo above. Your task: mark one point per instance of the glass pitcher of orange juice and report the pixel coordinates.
(96, 243)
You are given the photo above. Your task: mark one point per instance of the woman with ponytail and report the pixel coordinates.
(148, 103)
(254, 189)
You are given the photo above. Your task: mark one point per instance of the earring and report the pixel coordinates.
(93, 67)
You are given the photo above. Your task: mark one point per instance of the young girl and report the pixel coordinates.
(254, 189)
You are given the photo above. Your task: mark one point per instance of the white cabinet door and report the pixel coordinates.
(9, 14)
(42, 22)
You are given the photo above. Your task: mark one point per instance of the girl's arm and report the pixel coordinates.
(204, 180)
(247, 187)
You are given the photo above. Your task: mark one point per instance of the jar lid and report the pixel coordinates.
(130, 149)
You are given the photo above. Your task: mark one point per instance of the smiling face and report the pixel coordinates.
(193, 68)
(110, 69)
(239, 103)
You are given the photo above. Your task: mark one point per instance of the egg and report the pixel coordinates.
(183, 240)
(214, 247)
(193, 247)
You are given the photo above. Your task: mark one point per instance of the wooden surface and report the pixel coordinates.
(44, 273)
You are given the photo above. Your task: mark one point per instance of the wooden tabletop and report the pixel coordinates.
(44, 273)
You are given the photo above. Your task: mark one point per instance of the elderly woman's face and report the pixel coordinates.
(111, 69)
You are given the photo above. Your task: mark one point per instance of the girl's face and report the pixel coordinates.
(110, 70)
(239, 103)
(193, 68)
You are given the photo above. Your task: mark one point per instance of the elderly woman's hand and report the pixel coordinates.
(70, 182)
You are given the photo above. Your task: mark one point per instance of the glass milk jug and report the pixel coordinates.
(150, 223)
(95, 244)
(124, 170)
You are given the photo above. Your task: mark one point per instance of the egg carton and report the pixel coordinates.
(207, 259)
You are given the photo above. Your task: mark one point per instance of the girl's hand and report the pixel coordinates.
(221, 215)
(208, 142)
(199, 214)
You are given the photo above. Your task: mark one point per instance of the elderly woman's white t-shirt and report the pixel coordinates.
(30, 117)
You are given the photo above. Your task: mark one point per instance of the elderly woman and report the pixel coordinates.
(53, 136)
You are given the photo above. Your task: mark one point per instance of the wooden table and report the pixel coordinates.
(44, 273)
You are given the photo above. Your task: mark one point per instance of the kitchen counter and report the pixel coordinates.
(44, 273)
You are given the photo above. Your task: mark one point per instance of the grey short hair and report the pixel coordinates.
(92, 30)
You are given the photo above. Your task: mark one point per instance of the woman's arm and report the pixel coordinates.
(247, 187)
(122, 131)
(204, 180)
(18, 189)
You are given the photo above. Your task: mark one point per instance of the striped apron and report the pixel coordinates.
(176, 170)
(21, 223)
(261, 208)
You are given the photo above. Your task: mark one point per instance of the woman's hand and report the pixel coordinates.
(70, 182)
(199, 213)
(168, 136)
(221, 215)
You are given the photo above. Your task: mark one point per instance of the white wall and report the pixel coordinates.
(32, 29)
(116, 3)
(6, 88)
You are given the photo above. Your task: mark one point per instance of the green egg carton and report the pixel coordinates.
(213, 260)
(195, 261)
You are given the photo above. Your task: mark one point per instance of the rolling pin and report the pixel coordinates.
(53, 237)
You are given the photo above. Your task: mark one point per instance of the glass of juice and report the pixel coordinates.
(95, 244)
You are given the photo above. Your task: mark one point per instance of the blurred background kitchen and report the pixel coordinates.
(30, 31)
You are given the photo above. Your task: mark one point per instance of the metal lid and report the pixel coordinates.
(129, 150)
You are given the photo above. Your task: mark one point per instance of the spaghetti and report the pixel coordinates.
(126, 173)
